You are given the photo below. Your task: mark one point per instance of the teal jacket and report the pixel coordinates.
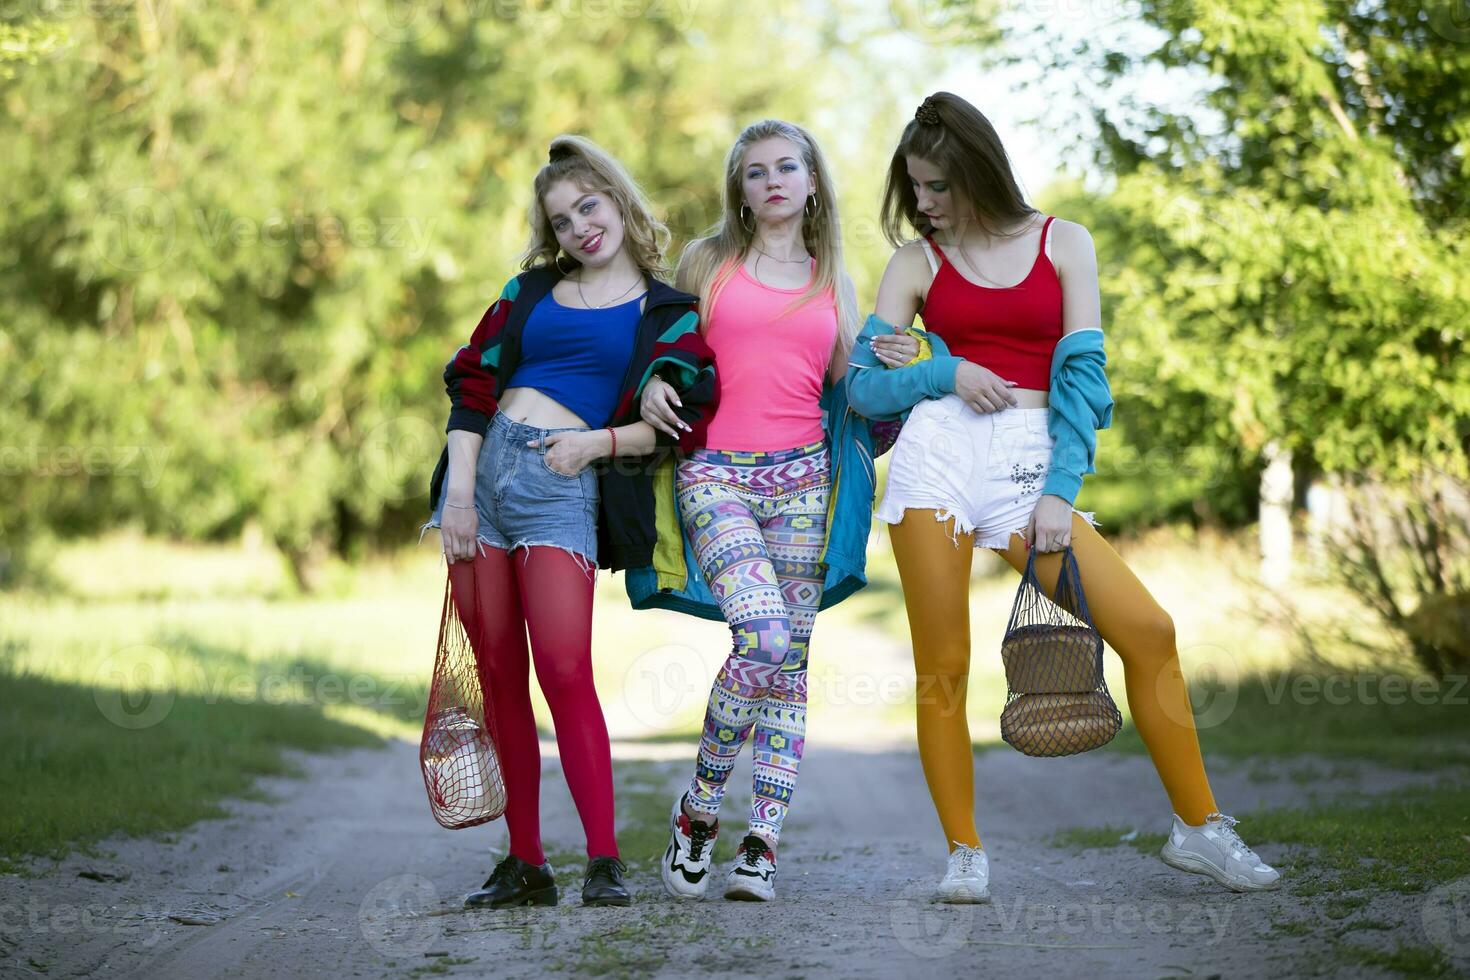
(1080, 400)
(674, 581)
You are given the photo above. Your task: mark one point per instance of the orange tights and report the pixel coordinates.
(936, 586)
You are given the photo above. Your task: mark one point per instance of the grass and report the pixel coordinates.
(255, 668)
(164, 678)
(1099, 838)
(1408, 843)
(1343, 853)
(1342, 715)
(71, 776)
(1404, 959)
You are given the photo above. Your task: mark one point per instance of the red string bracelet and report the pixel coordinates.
(614, 441)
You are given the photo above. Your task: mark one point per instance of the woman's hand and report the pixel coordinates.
(895, 349)
(1050, 527)
(983, 389)
(568, 453)
(458, 526)
(657, 407)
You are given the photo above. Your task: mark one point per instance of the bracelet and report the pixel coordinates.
(461, 506)
(614, 441)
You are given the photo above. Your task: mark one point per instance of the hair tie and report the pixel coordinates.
(928, 112)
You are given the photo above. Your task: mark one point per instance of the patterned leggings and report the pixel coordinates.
(757, 522)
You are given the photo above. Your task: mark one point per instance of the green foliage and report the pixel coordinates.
(72, 776)
(1288, 264)
(1406, 722)
(241, 239)
(27, 41)
(1284, 264)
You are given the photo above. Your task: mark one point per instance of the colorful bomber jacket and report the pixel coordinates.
(668, 345)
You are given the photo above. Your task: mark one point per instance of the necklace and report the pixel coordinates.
(755, 271)
(610, 302)
(804, 258)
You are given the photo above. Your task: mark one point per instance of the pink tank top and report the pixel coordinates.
(771, 363)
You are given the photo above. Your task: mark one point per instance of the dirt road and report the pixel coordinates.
(345, 874)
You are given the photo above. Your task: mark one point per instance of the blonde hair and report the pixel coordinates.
(709, 262)
(591, 168)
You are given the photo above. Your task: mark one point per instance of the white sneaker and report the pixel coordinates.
(685, 867)
(967, 880)
(1215, 849)
(753, 877)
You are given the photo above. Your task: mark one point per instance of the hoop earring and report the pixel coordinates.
(557, 262)
(750, 227)
(812, 207)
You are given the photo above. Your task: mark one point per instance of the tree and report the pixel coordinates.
(1288, 266)
(238, 240)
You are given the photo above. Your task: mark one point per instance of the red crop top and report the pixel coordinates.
(1010, 331)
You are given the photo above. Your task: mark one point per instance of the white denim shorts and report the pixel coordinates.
(985, 469)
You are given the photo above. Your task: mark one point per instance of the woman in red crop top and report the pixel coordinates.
(1001, 284)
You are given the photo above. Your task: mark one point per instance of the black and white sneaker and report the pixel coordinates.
(686, 862)
(753, 878)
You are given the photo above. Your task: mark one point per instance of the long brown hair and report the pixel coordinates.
(957, 138)
(709, 262)
(593, 169)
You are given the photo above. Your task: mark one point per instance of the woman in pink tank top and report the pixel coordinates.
(780, 314)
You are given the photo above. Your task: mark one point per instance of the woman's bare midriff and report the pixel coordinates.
(1030, 398)
(538, 409)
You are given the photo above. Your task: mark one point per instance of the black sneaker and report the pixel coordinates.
(603, 884)
(753, 877)
(515, 882)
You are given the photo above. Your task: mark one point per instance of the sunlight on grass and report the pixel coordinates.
(217, 632)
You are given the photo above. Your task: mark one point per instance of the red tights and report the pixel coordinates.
(543, 591)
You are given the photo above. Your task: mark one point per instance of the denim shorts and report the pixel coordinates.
(985, 469)
(523, 502)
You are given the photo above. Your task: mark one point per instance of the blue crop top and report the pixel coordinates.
(578, 356)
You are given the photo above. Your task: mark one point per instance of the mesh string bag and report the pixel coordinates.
(458, 750)
(1057, 702)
